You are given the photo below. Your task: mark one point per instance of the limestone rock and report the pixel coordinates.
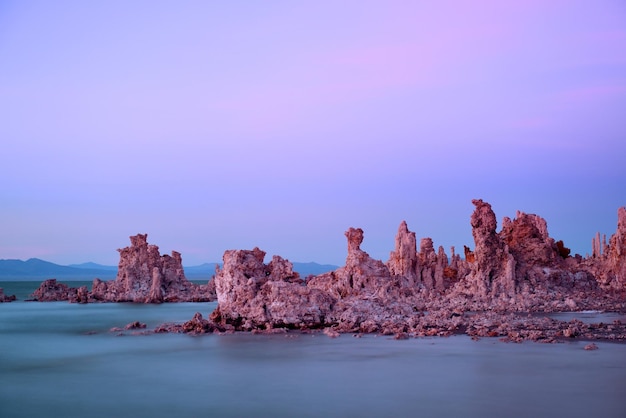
(528, 240)
(50, 290)
(253, 295)
(608, 262)
(520, 269)
(135, 325)
(493, 271)
(6, 298)
(143, 276)
(425, 268)
(198, 325)
(403, 260)
(360, 296)
(146, 276)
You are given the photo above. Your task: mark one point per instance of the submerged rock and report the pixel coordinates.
(135, 325)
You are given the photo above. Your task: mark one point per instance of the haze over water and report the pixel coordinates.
(58, 359)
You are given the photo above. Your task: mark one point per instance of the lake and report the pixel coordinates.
(59, 359)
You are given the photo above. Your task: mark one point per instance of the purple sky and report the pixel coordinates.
(279, 124)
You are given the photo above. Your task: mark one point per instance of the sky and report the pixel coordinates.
(280, 124)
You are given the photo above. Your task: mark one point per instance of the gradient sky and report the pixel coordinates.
(279, 124)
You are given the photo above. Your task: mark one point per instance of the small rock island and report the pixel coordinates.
(143, 276)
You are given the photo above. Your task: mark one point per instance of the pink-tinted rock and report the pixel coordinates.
(426, 268)
(80, 295)
(608, 261)
(493, 271)
(520, 269)
(146, 276)
(198, 325)
(135, 325)
(331, 333)
(253, 295)
(50, 290)
(528, 240)
(6, 298)
(143, 276)
(403, 260)
(361, 275)
(432, 266)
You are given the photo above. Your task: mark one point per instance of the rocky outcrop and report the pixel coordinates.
(493, 271)
(541, 263)
(253, 295)
(52, 291)
(519, 269)
(146, 276)
(6, 298)
(403, 260)
(608, 261)
(360, 276)
(433, 267)
(143, 276)
(369, 297)
(361, 295)
(427, 269)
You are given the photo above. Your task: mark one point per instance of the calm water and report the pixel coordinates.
(53, 364)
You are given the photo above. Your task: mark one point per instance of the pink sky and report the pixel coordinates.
(280, 124)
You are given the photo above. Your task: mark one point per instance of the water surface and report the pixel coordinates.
(59, 359)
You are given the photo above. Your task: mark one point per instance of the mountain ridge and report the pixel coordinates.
(38, 269)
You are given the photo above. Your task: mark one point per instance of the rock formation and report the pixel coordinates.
(493, 271)
(519, 269)
(608, 261)
(6, 298)
(143, 276)
(253, 295)
(361, 275)
(403, 260)
(427, 269)
(51, 290)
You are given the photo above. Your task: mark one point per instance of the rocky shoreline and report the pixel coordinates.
(496, 290)
(512, 328)
(515, 328)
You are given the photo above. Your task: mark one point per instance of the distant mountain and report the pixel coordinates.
(207, 270)
(36, 269)
(306, 269)
(201, 272)
(95, 266)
